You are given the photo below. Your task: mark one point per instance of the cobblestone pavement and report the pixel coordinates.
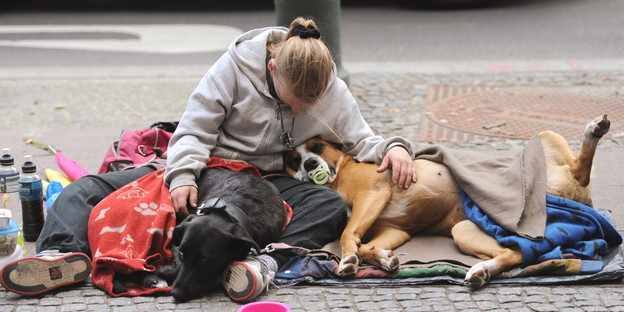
(392, 103)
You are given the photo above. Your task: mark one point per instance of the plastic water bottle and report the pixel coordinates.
(9, 175)
(31, 196)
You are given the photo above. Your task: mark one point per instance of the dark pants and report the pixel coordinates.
(319, 215)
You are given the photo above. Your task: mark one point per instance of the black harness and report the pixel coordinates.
(216, 204)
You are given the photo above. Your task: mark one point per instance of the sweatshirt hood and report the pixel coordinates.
(249, 52)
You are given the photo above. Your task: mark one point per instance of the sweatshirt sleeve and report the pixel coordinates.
(351, 130)
(196, 135)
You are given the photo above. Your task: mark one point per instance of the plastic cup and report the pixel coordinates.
(264, 306)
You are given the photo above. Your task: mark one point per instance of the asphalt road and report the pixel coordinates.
(528, 35)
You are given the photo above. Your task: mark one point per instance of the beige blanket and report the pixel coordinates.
(509, 189)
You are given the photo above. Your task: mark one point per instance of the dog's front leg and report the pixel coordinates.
(365, 210)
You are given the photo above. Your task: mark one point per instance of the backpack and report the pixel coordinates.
(136, 147)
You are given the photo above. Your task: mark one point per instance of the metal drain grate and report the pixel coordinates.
(517, 112)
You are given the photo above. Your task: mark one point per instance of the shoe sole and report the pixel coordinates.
(240, 272)
(33, 276)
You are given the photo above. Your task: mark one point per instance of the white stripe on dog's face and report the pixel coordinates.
(311, 158)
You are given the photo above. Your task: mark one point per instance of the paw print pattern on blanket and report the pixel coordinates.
(147, 209)
(133, 192)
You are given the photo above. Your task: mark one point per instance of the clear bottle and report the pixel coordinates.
(9, 175)
(31, 197)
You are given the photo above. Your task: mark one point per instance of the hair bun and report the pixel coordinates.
(305, 32)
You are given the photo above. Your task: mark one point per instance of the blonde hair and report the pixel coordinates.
(303, 61)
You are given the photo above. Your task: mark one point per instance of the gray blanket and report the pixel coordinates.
(509, 189)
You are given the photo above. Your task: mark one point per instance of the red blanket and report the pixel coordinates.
(131, 228)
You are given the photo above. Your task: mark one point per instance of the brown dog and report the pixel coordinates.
(385, 217)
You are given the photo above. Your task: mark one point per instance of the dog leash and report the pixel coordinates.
(300, 251)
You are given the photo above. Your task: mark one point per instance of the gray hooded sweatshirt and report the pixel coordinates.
(231, 114)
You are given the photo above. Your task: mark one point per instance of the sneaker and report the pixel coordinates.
(246, 280)
(50, 269)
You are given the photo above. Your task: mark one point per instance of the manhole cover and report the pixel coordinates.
(518, 112)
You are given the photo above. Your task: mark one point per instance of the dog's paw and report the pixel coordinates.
(598, 127)
(478, 275)
(388, 260)
(348, 266)
(153, 281)
(381, 258)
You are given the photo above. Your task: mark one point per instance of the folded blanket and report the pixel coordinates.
(572, 228)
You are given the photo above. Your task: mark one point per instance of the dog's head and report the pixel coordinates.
(207, 245)
(316, 160)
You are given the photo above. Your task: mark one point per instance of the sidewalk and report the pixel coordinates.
(82, 116)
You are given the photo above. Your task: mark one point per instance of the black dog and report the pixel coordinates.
(237, 211)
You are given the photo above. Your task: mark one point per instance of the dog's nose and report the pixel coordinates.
(310, 164)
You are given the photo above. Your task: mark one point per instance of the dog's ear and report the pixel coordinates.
(242, 241)
(178, 231)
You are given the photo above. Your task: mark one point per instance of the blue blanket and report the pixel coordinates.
(572, 228)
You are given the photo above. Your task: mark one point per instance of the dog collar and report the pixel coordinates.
(217, 204)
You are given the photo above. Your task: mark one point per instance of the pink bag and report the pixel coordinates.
(137, 147)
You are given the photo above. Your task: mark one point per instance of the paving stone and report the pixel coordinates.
(512, 306)
(358, 299)
(459, 297)
(535, 299)
(387, 297)
(484, 297)
(409, 290)
(142, 299)
(487, 305)
(74, 307)
(613, 302)
(368, 306)
(402, 297)
(26, 308)
(443, 307)
(588, 303)
(363, 291)
(509, 298)
(505, 291)
(465, 305)
(310, 298)
(120, 301)
(564, 291)
(419, 309)
(541, 307)
(73, 300)
(339, 305)
(50, 301)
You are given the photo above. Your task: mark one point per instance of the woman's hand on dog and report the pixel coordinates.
(181, 196)
(403, 172)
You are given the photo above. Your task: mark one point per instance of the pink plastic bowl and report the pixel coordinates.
(264, 306)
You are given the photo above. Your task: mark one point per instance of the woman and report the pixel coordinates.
(273, 89)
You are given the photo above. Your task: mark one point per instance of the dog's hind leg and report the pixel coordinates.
(378, 251)
(472, 240)
(568, 174)
(593, 133)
